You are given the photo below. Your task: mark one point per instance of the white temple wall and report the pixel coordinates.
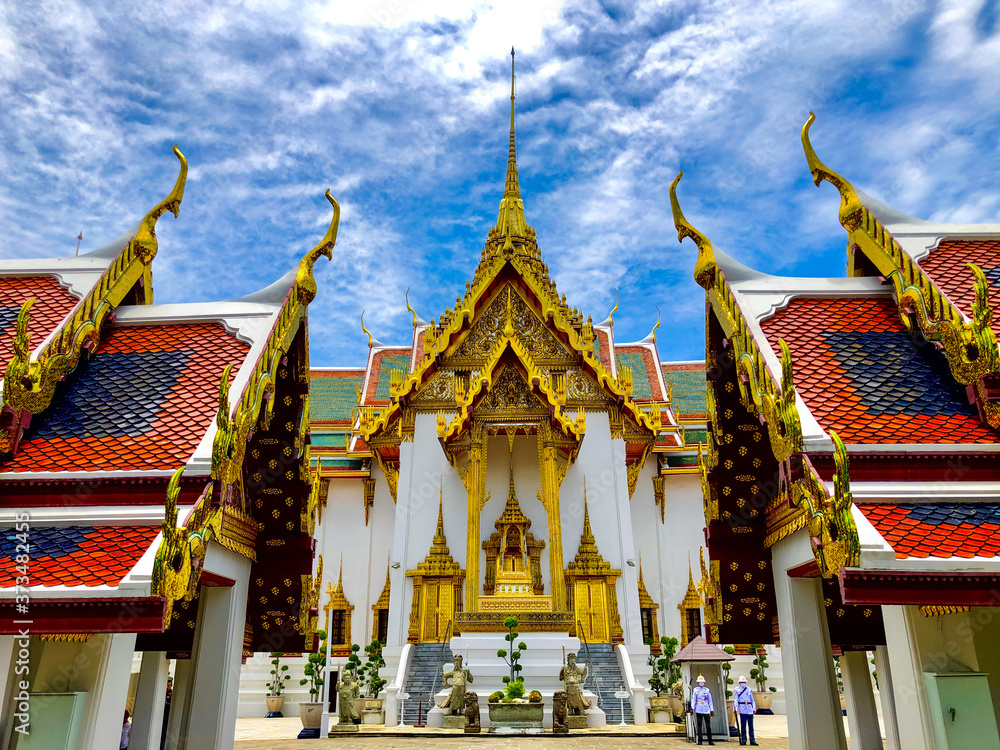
(666, 546)
(364, 549)
(601, 462)
(424, 473)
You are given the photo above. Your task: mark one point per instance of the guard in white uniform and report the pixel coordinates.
(746, 707)
(703, 710)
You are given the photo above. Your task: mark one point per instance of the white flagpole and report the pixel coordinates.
(324, 725)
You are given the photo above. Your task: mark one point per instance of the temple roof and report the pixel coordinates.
(939, 529)
(144, 400)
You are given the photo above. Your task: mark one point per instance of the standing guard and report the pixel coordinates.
(703, 709)
(746, 707)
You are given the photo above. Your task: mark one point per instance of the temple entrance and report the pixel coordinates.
(438, 610)
(591, 609)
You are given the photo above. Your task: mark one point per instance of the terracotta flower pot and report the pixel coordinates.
(763, 699)
(274, 705)
(311, 715)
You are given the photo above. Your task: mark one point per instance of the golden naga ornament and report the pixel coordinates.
(969, 343)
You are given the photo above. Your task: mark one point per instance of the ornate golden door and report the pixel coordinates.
(438, 609)
(590, 597)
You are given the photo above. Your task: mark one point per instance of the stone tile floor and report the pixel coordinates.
(279, 734)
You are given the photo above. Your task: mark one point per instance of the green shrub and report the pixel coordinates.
(514, 689)
(534, 697)
(495, 697)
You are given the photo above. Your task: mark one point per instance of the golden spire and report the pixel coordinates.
(511, 221)
(587, 541)
(512, 513)
(439, 537)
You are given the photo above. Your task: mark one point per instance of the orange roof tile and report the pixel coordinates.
(938, 529)
(143, 401)
(860, 374)
(946, 265)
(52, 303)
(76, 555)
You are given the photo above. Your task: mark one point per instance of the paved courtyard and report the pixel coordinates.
(279, 734)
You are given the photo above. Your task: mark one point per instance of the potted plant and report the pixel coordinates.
(510, 711)
(279, 676)
(762, 695)
(730, 703)
(312, 712)
(665, 705)
(840, 684)
(369, 706)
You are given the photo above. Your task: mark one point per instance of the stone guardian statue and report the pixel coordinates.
(572, 676)
(459, 677)
(347, 690)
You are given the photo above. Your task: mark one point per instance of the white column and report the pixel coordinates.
(180, 702)
(909, 692)
(104, 713)
(859, 699)
(8, 684)
(815, 721)
(218, 650)
(151, 692)
(885, 693)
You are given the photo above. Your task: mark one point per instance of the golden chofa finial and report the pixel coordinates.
(305, 282)
(145, 238)
(511, 221)
(412, 311)
(850, 204)
(704, 268)
(371, 341)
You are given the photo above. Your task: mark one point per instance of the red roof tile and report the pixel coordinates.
(76, 555)
(860, 374)
(144, 400)
(52, 303)
(946, 265)
(938, 529)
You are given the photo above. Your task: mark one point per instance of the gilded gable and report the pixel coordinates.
(488, 329)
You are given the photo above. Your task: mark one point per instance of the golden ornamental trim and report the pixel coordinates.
(309, 603)
(30, 384)
(705, 267)
(579, 337)
(970, 345)
(178, 562)
(255, 403)
(828, 518)
(772, 398)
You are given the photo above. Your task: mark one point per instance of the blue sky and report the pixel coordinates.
(400, 107)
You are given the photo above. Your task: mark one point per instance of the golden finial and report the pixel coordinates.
(145, 238)
(511, 221)
(850, 204)
(340, 578)
(704, 268)
(508, 328)
(652, 334)
(366, 330)
(611, 315)
(412, 311)
(304, 280)
(439, 532)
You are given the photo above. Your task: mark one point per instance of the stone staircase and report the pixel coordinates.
(423, 676)
(604, 677)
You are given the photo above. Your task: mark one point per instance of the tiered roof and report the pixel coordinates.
(511, 330)
(889, 374)
(117, 428)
